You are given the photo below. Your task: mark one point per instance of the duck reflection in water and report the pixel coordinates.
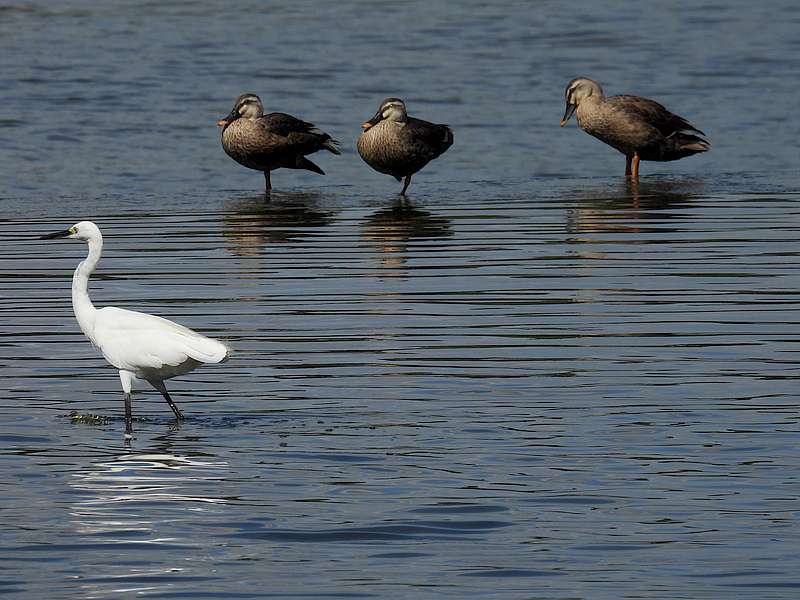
(250, 225)
(391, 229)
(632, 206)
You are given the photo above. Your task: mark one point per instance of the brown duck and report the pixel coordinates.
(640, 128)
(399, 145)
(268, 142)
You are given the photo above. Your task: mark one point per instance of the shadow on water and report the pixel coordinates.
(391, 230)
(631, 206)
(254, 221)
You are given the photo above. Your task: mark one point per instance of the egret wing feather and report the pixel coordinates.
(141, 343)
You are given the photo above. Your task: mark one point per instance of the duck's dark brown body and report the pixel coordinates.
(272, 141)
(399, 145)
(640, 128)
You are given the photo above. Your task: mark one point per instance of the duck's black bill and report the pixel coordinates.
(56, 235)
(373, 121)
(228, 120)
(568, 113)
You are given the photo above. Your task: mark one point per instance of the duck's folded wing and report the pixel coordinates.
(653, 113)
(284, 125)
(292, 134)
(428, 137)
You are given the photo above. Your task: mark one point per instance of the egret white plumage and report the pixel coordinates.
(140, 345)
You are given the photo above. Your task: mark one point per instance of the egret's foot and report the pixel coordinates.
(175, 409)
(159, 385)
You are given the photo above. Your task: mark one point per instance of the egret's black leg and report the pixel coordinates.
(159, 385)
(128, 415)
(126, 378)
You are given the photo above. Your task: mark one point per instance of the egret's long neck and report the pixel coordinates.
(81, 304)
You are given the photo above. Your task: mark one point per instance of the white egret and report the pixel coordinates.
(141, 346)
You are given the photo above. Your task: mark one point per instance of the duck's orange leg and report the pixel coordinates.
(628, 166)
(636, 159)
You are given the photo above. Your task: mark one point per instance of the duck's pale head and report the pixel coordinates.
(578, 90)
(391, 109)
(247, 106)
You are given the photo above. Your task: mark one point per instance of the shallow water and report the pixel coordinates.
(532, 380)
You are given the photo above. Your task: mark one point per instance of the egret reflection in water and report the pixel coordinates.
(119, 503)
(112, 491)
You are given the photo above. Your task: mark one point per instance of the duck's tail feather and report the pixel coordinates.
(332, 145)
(685, 144)
(697, 144)
(304, 163)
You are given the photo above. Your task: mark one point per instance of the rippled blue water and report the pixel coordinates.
(533, 380)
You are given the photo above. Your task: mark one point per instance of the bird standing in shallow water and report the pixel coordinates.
(640, 128)
(268, 142)
(399, 145)
(139, 345)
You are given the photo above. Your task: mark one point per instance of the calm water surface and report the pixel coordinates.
(532, 380)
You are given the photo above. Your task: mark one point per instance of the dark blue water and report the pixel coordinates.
(533, 380)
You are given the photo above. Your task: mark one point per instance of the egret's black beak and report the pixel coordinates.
(373, 121)
(57, 234)
(568, 113)
(229, 119)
